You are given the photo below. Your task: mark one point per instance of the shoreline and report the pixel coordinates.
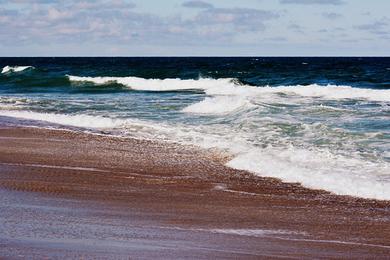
(222, 156)
(180, 193)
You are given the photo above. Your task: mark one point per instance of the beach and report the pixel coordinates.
(75, 194)
(194, 129)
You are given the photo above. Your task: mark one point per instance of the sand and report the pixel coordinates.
(73, 194)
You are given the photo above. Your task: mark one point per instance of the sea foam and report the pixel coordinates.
(262, 142)
(143, 84)
(231, 86)
(10, 69)
(84, 121)
(317, 169)
(218, 105)
(312, 167)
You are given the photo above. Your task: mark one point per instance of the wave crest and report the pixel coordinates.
(219, 105)
(233, 87)
(143, 84)
(11, 69)
(84, 121)
(227, 95)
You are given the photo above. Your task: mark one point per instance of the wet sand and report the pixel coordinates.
(72, 194)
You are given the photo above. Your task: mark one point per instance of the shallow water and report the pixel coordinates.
(323, 122)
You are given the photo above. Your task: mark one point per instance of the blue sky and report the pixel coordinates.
(195, 28)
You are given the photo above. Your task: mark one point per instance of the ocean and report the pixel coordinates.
(321, 122)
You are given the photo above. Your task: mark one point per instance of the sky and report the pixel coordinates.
(195, 28)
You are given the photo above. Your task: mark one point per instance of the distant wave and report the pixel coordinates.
(10, 69)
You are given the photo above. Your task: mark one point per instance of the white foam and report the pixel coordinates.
(337, 92)
(313, 168)
(317, 169)
(218, 105)
(157, 84)
(229, 86)
(84, 121)
(260, 141)
(330, 92)
(9, 69)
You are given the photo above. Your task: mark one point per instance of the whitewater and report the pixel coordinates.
(11, 69)
(309, 134)
(230, 86)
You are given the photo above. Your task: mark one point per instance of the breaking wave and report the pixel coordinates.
(231, 86)
(143, 84)
(84, 121)
(11, 69)
(219, 105)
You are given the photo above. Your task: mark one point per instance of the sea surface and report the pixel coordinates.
(322, 122)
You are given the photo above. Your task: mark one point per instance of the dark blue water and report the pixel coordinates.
(50, 72)
(324, 122)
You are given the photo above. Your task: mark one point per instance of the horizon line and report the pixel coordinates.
(205, 56)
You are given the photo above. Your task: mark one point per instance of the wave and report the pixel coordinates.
(84, 121)
(317, 169)
(143, 84)
(227, 99)
(11, 69)
(227, 95)
(219, 105)
(233, 87)
(327, 92)
(334, 92)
